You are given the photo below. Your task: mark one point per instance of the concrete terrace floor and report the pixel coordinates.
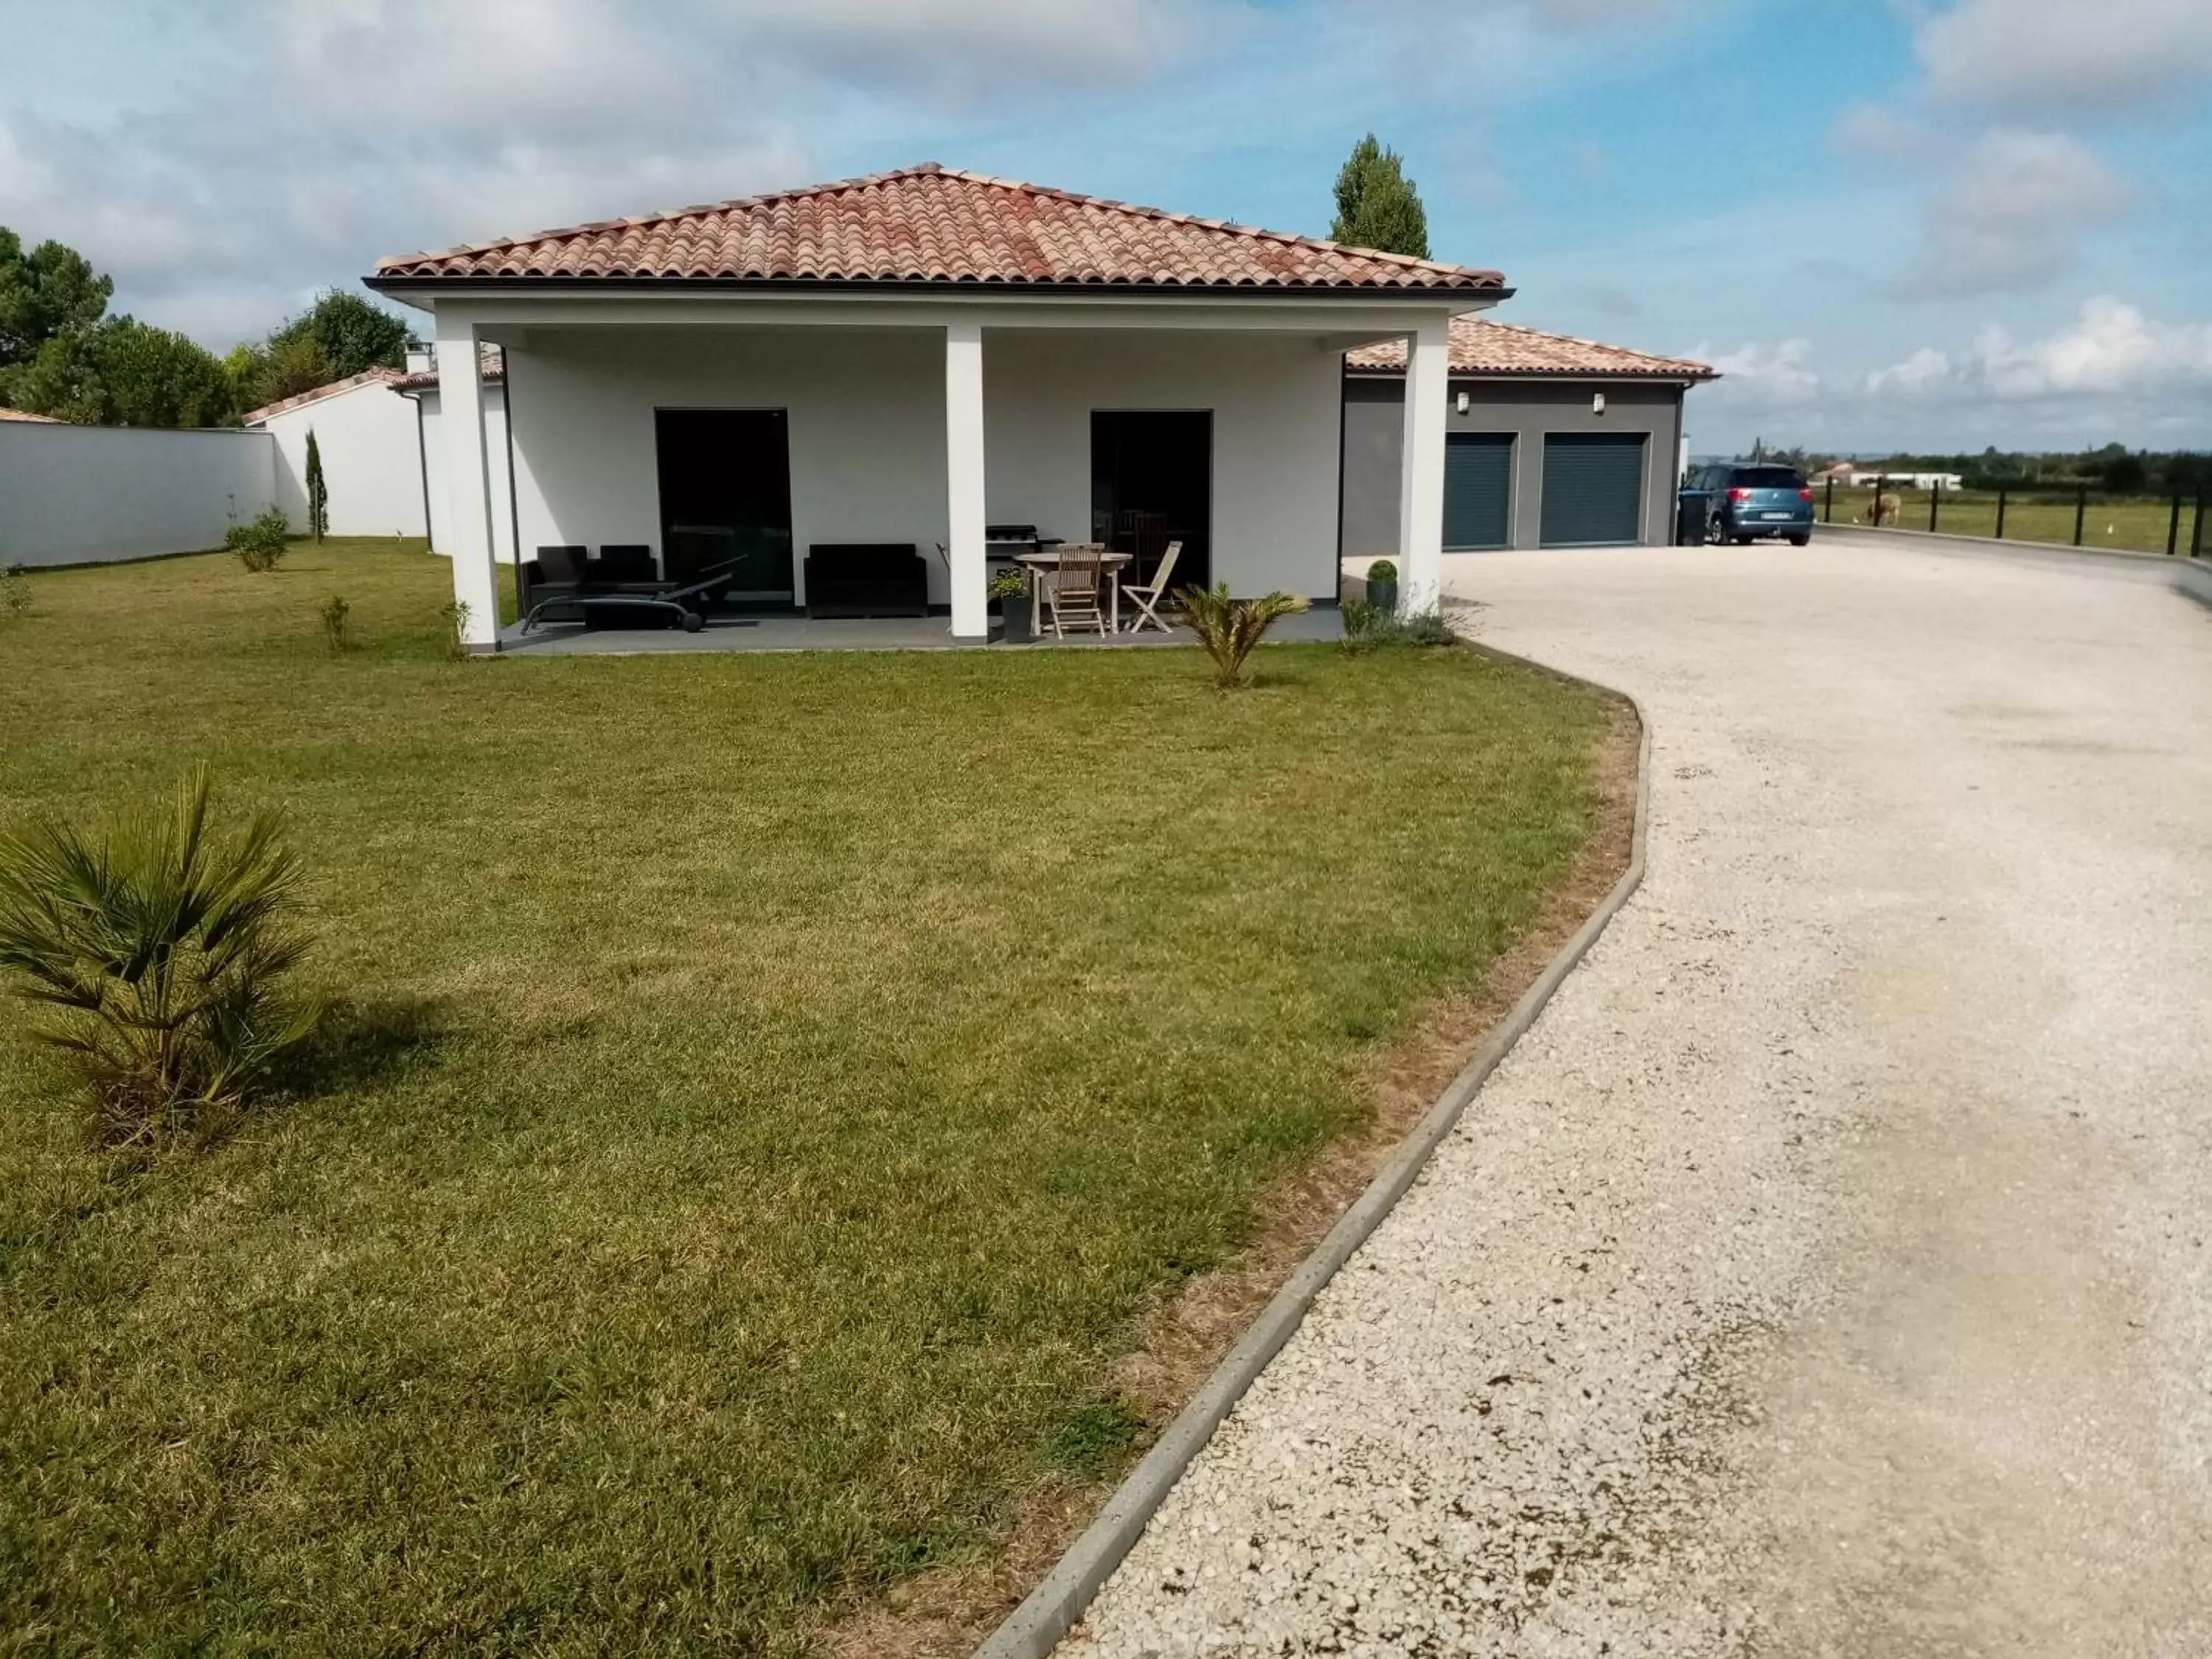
(798, 633)
(1829, 1271)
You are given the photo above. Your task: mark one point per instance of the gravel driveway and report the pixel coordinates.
(1830, 1270)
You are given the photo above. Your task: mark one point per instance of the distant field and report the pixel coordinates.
(2134, 523)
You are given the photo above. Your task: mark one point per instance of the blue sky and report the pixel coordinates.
(1940, 223)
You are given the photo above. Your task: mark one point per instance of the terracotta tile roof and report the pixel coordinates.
(1480, 346)
(931, 225)
(490, 361)
(25, 415)
(300, 400)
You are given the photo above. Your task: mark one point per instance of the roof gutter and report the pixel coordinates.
(963, 288)
(1629, 376)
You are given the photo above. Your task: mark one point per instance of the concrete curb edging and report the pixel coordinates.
(1050, 1610)
(2185, 575)
(2195, 580)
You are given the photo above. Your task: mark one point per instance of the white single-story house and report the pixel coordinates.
(371, 450)
(1550, 441)
(912, 358)
(377, 434)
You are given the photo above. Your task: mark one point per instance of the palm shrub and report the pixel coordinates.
(1228, 628)
(162, 946)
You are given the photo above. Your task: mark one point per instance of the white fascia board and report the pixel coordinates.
(1362, 320)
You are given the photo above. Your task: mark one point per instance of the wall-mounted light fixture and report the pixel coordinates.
(1598, 402)
(1461, 402)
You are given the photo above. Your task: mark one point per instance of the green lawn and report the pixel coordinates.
(774, 1088)
(2136, 524)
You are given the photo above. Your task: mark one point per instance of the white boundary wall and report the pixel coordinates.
(91, 495)
(372, 460)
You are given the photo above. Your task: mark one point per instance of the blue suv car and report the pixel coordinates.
(1750, 499)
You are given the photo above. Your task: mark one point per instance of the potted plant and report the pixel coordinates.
(1382, 586)
(1010, 588)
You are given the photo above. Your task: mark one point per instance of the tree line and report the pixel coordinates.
(63, 353)
(2113, 468)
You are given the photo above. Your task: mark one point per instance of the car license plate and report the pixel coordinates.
(1776, 515)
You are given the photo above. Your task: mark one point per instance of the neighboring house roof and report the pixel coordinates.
(25, 415)
(490, 360)
(300, 400)
(932, 226)
(1482, 347)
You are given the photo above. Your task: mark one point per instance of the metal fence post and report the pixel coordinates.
(2080, 510)
(2001, 508)
(2173, 524)
(1881, 488)
(1934, 504)
(2196, 535)
(1828, 511)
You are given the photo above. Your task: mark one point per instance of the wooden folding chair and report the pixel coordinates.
(1147, 600)
(1079, 590)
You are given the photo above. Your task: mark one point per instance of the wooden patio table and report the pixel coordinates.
(1047, 558)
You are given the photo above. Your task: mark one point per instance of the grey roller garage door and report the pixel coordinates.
(1478, 490)
(1593, 488)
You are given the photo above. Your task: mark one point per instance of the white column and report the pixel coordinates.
(1421, 484)
(467, 531)
(963, 478)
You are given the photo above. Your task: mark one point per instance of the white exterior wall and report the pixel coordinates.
(370, 461)
(430, 470)
(867, 429)
(867, 433)
(90, 495)
(1275, 404)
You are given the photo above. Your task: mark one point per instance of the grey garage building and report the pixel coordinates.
(1553, 441)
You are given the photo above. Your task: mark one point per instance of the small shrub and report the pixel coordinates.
(1369, 627)
(1008, 585)
(1382, 571)
(1426, 628)
(1364, 625)
(455, 615)
(1228, 629)
(15, 592)
(337, 623)
(162, 946)
(259, 542)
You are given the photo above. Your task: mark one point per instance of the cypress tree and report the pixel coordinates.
(318, 492)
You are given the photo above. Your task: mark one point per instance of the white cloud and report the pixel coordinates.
(2045, 56)
(1926, 369)
(2012, 212)
(1600, 14)
(2111, 371)
(1878, 132)
(1757, 377)
(974, 44)
(2110, 348)
(305, 140)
